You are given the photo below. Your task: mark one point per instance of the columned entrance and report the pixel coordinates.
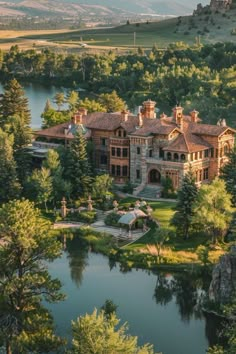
(154, 177)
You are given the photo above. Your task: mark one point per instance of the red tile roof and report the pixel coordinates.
(191, 136)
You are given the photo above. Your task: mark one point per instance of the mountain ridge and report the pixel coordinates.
(98, 7)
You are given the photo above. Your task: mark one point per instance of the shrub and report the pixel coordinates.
(84, 216)
(112, 219)
(128, 188)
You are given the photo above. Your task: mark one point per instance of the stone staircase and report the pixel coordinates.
(150, 192)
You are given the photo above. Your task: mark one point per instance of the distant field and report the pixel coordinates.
(209, 28)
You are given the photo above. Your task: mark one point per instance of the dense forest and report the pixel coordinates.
(201, 77)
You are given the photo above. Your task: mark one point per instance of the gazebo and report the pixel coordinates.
(131, 217)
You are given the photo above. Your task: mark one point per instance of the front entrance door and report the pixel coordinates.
(154, 176)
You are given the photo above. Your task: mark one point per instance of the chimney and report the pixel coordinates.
(83, 111)
(77, 118)
(140, 119)
(194, 116)
(149, 109)
(223, 123)
(163, 116)
(178, 116)
(124, 115)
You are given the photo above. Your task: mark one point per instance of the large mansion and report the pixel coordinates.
(144, 149)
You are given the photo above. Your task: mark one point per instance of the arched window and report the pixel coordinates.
(169, 156)
(183, 157)
(176, 157)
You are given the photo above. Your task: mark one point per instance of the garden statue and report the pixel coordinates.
(137, 204)
(115, 205)
(90, 205)
(149, 210)
(63, 208)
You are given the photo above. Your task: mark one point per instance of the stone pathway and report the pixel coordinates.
(100, 226)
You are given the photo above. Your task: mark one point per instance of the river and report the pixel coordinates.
(160, 308)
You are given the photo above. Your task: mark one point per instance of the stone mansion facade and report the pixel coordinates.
(143, 148)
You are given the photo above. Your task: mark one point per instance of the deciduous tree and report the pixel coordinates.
(98, 334)
(212, 209)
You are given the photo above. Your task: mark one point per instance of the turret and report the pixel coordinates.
(148, 109)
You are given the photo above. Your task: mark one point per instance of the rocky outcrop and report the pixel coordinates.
(223, 284)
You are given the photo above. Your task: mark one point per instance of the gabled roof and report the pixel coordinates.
(155, 126)
(109, 121)
(187, 142)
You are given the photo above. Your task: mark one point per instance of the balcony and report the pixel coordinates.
(119, 141)
(165, 162)
(44, 145)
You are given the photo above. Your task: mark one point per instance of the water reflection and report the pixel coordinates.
(77, 254)
(172, 294)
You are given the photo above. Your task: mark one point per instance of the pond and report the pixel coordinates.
(160, 308)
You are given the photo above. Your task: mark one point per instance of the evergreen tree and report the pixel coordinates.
(182, 219)
(72, 100)
(48, 106)
(60, 187)
(14, 102)
(25, 325)
(228, 174)
(22, 134)
(59, 99)
(9, 184)
(79, 171)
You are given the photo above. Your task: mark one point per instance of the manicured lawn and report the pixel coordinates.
(177, 250)
(162, 210)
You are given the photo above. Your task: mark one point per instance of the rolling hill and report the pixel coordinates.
(97, 7)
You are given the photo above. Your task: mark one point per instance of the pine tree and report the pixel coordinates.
(9, 184)
(48, 106)
(79, 172)
(182, 218)
(228, 174)
(25, 325)
(13, 102)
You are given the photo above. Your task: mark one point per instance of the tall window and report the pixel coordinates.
(118, 170)
(205, 174)
(125, 152)
(113, 170)
(104, 141)
(150, 153)
(138, 174)
(200, 175)
(113, 151)
(103, 160)
(161, 152)
(118, 151)
(206, 153)
(125, 171)
(138, 150)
